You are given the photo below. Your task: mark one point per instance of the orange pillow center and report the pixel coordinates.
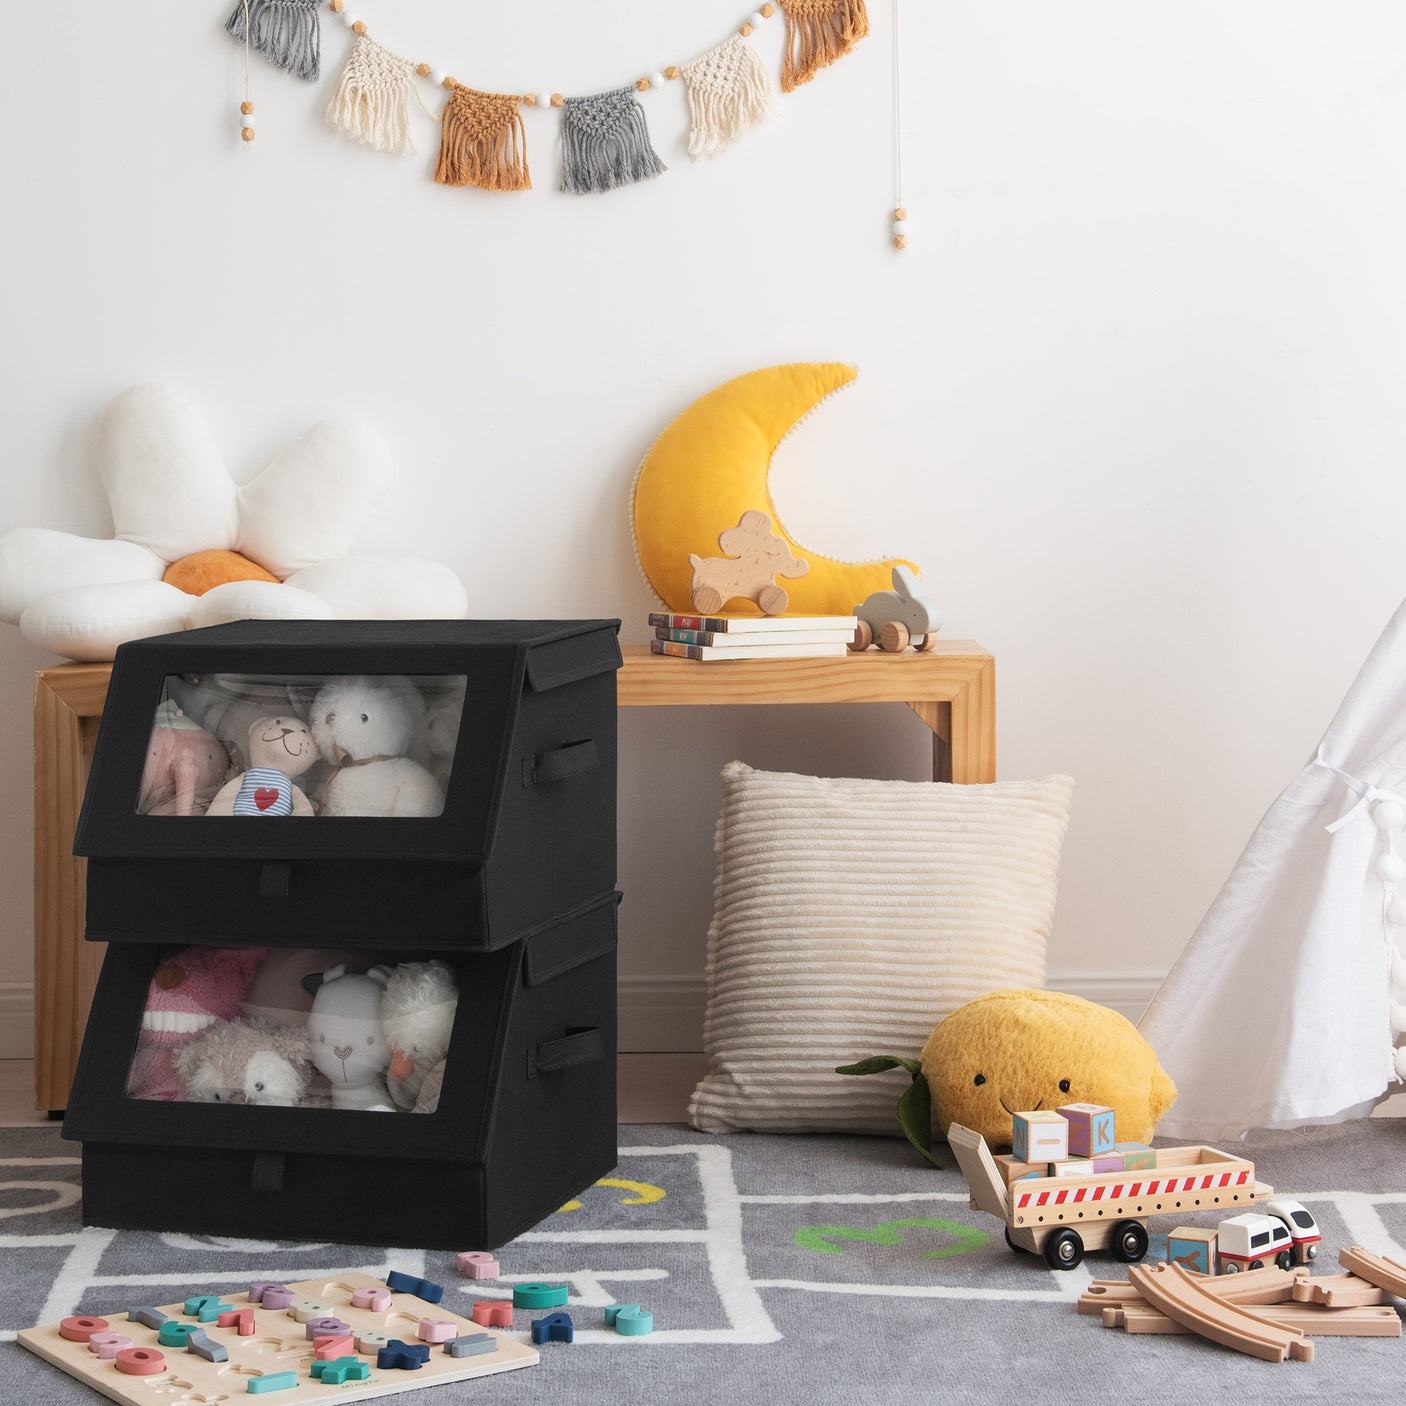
(203, 571)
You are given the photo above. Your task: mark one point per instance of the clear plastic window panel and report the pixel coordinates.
(297, 1028)
(302, 746)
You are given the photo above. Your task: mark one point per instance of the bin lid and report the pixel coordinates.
(496, 660)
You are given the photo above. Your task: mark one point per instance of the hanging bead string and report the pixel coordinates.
(540, 97)
(1389, 818)
(246, 108)
(900, 210)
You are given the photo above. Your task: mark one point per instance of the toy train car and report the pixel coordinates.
(1284, 1234)
(1062, 1216)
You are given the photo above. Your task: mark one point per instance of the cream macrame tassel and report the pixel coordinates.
(728, 95)
(372, 101)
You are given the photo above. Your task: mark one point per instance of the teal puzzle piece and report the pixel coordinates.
(343, 1369)
(273, 1381)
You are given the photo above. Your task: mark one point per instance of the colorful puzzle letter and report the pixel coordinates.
(241, 1318)
(478, 1264)
(554, 1328)
(408, 1284)
(377, 1299)
(406, 1357)
(273, 1381)
(344, 1369)
(538, 1295)
(1090, 1128)
(492, 1313)
(471, 1344)
(203, 1345)
(1039, 1137)
(140, 1361)
(79, 1330)
(629, 1320)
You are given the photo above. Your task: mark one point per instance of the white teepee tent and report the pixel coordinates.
(1280, 1012)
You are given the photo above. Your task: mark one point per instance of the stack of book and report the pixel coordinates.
(751, 636)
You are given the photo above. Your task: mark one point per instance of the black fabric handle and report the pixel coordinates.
(575, 759)
(577, 1046)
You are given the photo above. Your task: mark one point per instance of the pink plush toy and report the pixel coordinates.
(185, 766)
(191, 988)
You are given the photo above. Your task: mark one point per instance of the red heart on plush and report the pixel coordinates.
(265, 796)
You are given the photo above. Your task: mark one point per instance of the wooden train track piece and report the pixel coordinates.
(1182, 1297)
(1367, 1321)
(1375, 1269)
(1255, 1286)
(1339, 1291)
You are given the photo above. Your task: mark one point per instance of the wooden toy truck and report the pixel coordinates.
(1061, 1217)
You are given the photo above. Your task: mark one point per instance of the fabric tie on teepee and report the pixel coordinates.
(605, 143)
(372, 101)
(817, 33)
(482, 141)
(285, 32)
(728, 95)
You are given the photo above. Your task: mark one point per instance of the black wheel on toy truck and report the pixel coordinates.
(1019, 1249)
(1064, 1249)
(1129, 1242)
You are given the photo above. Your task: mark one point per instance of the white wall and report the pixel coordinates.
(1134, 398)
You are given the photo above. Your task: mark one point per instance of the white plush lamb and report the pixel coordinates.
(344, 1036)
(364, 729)
(417, 1015)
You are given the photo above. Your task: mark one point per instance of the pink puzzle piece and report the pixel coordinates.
(333, 1346)
(240, 1318)
(493, 1313)
(108, 1345)
(437, 1330)
(377, 1299)
(478, 1264)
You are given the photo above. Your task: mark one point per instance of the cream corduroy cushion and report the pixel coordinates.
(849, 917)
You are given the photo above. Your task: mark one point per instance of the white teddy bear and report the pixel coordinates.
(363, 729)
(245, 1061)
(417, 1016)
(344, 1036)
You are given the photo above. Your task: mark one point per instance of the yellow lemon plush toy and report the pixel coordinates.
(1018, 1051)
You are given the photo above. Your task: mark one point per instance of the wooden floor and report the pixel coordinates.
(653, 1088)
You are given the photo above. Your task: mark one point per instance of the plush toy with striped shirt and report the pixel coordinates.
(279, 749)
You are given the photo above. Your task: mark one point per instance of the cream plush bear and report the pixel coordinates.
(364, 729)
(245, 1061)
(279, 749)
(417, 1015)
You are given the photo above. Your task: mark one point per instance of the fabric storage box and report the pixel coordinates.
(525, 1117)
(509, 822)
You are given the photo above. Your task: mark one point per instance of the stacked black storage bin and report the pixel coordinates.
(512, 885)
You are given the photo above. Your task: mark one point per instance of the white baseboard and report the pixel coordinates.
(16, 1020)
(664, 1014)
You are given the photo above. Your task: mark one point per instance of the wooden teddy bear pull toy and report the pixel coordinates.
(279, 749)
(750, 572)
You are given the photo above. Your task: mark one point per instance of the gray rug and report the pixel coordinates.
(777, 1268)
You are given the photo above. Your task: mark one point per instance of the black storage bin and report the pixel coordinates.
(526, 1119)
(527, 830)
(223, 1086)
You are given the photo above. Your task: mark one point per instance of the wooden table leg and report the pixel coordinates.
(65, 967)
(964, 730)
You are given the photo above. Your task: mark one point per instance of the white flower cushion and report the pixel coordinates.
(89, 622)
(850, 917)
(385, 588)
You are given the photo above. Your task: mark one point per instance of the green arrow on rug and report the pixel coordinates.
(818, 1237)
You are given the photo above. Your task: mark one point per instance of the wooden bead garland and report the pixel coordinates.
(900, 227)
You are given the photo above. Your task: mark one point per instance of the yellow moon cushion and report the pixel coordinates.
(1015, 1051)
(712, 464)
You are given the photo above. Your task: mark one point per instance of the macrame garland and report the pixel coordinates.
(605, 143)
(817, 33)
(372, 101)
(285, 32)
(728, 95)
(482, 142)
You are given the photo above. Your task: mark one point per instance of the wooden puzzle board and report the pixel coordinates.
(279, 1344)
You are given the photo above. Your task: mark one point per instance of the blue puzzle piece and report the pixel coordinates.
(408, 1284)
(344, 1369)
(147, 1317)
(201, 1343)
(554, 1328)
(471, 1345)
(409, 1357)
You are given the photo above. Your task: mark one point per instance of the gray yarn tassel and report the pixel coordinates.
(605, 143)
(285, 32)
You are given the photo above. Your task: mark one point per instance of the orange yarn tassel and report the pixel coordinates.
(482, 141)
(817, 33)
